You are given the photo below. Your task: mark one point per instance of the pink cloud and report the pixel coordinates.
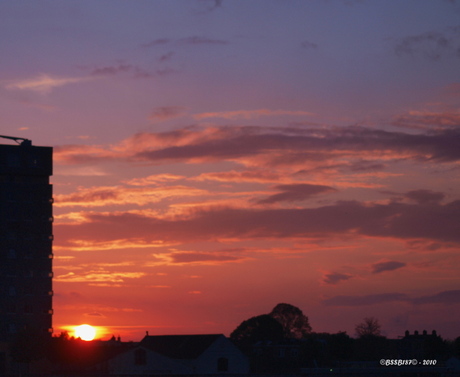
(425, 120)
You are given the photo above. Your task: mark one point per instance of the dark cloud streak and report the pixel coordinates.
(442, 145)
(365, 300)
(393, 220)
(334, 278)
(296, 192)
(432, 45)
(380, 267)
(444, 297)
(425, 196)
(283, 146)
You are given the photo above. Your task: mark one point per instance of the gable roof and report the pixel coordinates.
(179, 346)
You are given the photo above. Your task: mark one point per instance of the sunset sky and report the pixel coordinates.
(215, 158)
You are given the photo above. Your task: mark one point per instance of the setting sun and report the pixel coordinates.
(85, 332)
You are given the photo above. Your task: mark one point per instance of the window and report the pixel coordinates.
(222, 364)
(140, 357)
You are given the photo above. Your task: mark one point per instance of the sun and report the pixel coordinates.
(85, 332)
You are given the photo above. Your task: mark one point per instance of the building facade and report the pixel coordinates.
(25, 240)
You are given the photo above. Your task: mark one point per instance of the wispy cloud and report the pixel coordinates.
(45, 83)
(166, 112)
(166, 57)
(212, 5)
(427, 120)
(250, 114)
(194, 40)
(199, 40)
(157, 42)
(309, 45)
(121, 68)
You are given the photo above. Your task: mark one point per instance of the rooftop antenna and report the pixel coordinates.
(25, 142)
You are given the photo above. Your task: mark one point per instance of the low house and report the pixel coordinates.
(180, 354)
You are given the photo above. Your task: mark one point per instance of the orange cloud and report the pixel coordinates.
(116, 195)
(82, 154)
(76, 244)
(199, 258)
(154, 179)
(260, 176)
(98, 276)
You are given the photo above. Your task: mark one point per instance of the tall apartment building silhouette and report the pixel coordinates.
(25, 239)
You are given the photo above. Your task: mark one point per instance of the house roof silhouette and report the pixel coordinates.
(179, 346)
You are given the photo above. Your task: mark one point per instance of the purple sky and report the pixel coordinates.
(215, 158)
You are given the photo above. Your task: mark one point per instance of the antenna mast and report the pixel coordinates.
(16, 139)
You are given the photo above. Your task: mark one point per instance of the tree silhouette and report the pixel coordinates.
(370, 327)
(259, 328)
(295, 323)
